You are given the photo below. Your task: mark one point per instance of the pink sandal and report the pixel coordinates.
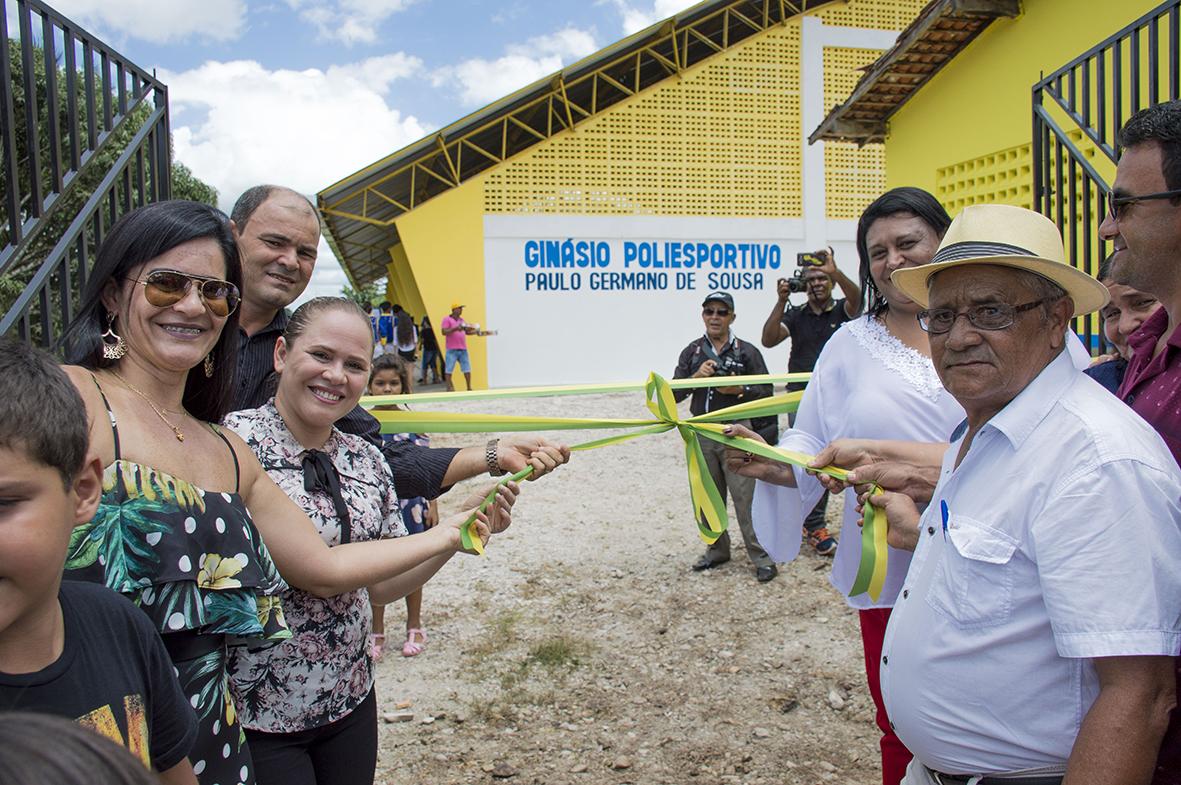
(412, 647)
(376, 642)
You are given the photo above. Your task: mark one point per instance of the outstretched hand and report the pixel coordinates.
(916, 482)
(902, 516)
(753, 465)
(514, 453)
(846, 454)
(498, 514)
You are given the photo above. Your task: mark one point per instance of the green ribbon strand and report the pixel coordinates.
(709, 508)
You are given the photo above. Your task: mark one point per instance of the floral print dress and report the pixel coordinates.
(413, 509)
(324, 671)
(193, 561)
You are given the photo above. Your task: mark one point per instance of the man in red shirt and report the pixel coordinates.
(1144, 225)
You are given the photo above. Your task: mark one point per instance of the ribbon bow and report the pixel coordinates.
(320, 475)
(708, 506)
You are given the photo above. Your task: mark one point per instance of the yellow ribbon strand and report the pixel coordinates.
(708, 506)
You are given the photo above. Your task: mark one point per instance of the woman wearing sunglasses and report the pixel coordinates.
(186, 506)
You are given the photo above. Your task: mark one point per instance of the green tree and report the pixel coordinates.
(366, 296)
(25, 262)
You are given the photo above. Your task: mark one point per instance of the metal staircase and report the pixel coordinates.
(84, 138)
(1077, 112)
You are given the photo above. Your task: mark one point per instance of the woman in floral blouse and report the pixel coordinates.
(308, 704)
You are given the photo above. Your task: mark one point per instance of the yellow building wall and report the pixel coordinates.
(443, 245)
(975, 114)
(721, 139)
(401, 286)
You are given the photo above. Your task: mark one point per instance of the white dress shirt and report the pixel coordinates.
(1062, 543)
(868, 385)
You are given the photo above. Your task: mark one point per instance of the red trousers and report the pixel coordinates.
(895, 756)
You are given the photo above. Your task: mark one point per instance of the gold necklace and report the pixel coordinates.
(180, 437)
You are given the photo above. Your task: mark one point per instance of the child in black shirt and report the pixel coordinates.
(72, 649)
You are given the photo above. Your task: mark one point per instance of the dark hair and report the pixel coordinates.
(1105, 268)
(253, 198)
(385, 306)
(405, 330)
(1160, 123)
(307, 313)
(897, 200)
(43, 749)
(138, 237)
(392, 362)
(41, 412)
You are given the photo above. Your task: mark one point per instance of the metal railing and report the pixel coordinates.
(84, 138)
(1077, 113)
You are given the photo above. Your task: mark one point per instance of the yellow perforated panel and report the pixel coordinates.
(1002, 177)
(873, 14)
(853, 176)
(721, 140)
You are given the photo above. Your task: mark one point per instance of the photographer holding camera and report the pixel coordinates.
(720, 353)
(809, 326)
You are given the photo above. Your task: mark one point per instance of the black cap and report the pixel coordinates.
(722, 297)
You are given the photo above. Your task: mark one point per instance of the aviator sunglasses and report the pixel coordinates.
(168, 287)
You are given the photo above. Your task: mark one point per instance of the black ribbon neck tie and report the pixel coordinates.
(320, 475)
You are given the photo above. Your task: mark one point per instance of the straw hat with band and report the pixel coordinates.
(1032, 243)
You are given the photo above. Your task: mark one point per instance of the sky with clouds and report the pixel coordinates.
(306, 92)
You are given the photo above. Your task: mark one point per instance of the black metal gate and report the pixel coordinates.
(1077, 111)
(84, 138)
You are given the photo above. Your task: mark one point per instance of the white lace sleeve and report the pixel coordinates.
(913, 367)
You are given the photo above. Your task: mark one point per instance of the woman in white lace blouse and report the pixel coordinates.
(874, 380)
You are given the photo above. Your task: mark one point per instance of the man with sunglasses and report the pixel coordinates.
(1032, 641)
(720, 353)
(278, 234)
(1144, 226)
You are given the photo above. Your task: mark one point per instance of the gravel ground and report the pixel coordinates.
(582, 649)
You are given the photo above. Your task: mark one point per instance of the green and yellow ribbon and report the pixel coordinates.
(708, 506)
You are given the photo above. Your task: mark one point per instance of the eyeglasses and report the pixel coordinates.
(168, 287)
(990, 316)
(716, 312)
(1116, 204)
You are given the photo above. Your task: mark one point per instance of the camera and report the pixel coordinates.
(731, 366)
(808, 260)
(796, 282)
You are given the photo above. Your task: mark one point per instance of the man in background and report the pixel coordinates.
(720, 353)
(810, 325)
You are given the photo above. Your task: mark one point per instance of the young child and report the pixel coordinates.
(391, 376)
(73, 649)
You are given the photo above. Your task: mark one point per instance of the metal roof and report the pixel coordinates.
(360, 210)
(938, 34)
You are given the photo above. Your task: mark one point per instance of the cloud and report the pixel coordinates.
(160, 21)
(637, 18)
(348, 21)
(481, 81)
(237, 124)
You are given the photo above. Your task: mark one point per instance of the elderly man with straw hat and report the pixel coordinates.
(1032, 639)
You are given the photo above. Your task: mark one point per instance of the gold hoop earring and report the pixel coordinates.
(114, 347)
(209, 366)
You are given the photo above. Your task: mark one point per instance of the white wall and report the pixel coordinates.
(587, 335)
(590, 335)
